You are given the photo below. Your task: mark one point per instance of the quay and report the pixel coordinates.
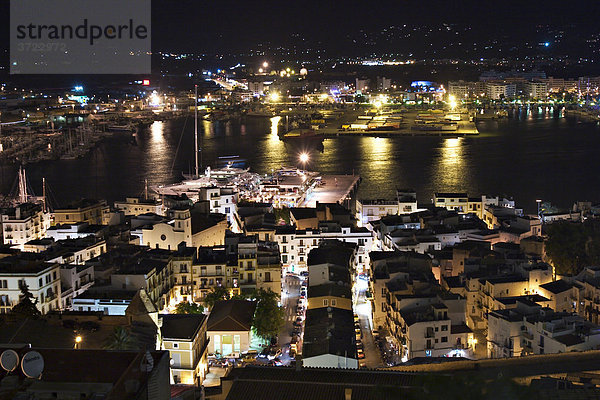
(397, 123)
(333, 189)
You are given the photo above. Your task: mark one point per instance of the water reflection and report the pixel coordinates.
(275, 148)
(156, 132)
(450, 171)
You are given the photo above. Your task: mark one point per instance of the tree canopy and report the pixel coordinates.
(27, 306)
(269, 317)
(573, 246)
(189, 308)
(218, 293)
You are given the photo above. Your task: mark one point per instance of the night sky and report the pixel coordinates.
(225, 25)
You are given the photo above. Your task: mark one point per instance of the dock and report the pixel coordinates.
(334, 189)
(465, 126)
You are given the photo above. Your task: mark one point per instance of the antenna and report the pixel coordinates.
(44, 193)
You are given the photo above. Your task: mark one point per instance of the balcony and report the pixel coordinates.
(527, 335)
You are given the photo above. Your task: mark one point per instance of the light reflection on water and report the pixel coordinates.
(449, 169)
(530, 156)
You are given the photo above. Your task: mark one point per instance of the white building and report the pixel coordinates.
(373, 210)
(530, 329)
(362, 84)
(139, 205)
(73, 231)
(496, 91)
(536, 90)
(294, 245)
(23, 223)
(256, 87)
(74, 279)
(41, 278)
(109, 302)
(193, 228)
(222, 201)
(458, 89)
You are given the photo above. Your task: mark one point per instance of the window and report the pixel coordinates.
(444, 339)
(41, 282)
(4, 284)
(325, 302)
(175, 345)
(333, 302)
(236, 343)
(444, 327)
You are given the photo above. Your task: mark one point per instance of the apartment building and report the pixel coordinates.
(398, 273)
(530, 329)
(75, 280)
(139, 205)
(295, 245)
(41, 278)
(221, 201)
(536, 90)
(152, 271)
(84, 210)
(431, 326)
(23, 223)
(368, 210)
(185, 337)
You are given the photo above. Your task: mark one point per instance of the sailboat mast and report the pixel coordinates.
(196, 125)
(44, 193)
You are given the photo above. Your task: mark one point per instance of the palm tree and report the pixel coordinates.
(120, 339)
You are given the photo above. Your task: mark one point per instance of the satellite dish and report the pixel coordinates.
(9, 360)
(32, 364)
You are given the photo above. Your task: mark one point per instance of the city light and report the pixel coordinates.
(452, 102)
(265, 64)
(154, 99)
(274, 97)
(304, 158)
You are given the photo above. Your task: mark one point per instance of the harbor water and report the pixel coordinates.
(532, 154)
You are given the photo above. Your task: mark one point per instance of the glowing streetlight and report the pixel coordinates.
(452, 102)
(265, 64)
(260, 70)
(274, 97)
(304, 158)
(78, 340)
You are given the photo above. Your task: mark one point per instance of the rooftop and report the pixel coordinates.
(231, 315)
(181, 326)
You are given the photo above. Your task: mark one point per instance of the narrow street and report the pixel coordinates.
(289, 300)
(363, 310)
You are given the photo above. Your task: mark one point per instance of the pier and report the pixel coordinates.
(333, 189)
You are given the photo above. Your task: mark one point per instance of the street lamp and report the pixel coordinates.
(78, 340)
(304, 158)
(539, 203)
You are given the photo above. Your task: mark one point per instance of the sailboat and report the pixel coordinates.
(211, 177)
